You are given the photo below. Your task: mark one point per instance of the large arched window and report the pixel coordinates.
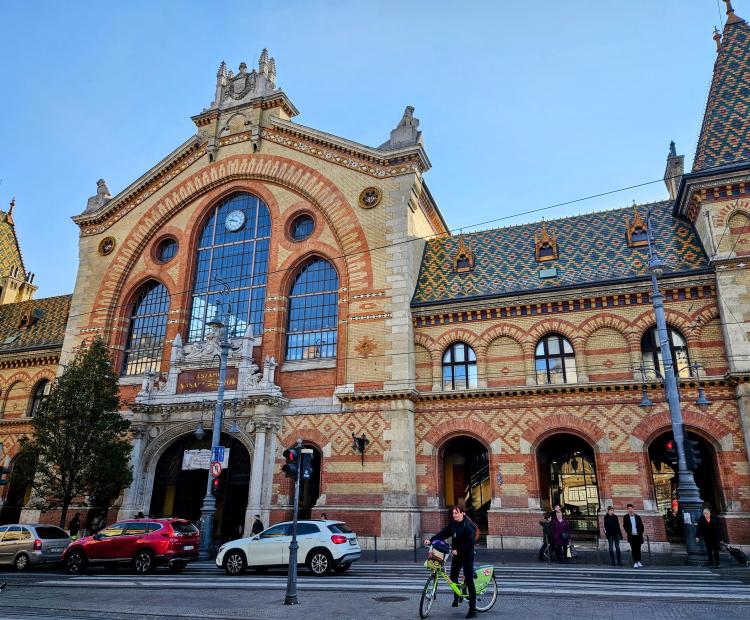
(651, 352)
(313, 312)
(40, 391)
(459, 367)
(232, 259)
(148, 326)
(555, 360)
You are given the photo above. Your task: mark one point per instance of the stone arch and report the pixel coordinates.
(677, 319)
(554, 325)
(707, 427)
(505, 345)
(738, 225)
(18, 385)
(499, 331)
(605, 319)
(536, 433)
(428, 343)
(457, 335)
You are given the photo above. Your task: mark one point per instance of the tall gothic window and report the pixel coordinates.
(313, 312)
(40, 391)
(232, 260)
(555, 360)
(651, 352)
(459, 367)
(148, 327)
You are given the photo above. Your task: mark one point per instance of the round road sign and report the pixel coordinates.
(215, 469)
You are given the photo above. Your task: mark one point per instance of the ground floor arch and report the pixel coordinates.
(309, 490)
(466, 477)
(568, 476)
(179, 492)
(16, 496)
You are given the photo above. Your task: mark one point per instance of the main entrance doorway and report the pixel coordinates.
(466, 476)
(309, 490)
(179, 492)
(567, 476)
(16, 495)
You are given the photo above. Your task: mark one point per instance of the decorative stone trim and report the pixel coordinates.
(370, 197)
(313, 364)
(106, 246)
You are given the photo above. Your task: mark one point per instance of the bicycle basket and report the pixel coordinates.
(482, 577)
(438, 551)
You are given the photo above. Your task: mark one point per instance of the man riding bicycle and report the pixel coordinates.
(462, 530)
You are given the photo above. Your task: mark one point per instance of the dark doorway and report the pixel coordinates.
(567, 475)
(664, 476)
(179, 493)
(466, 478)
(309, 490)
(15, 498)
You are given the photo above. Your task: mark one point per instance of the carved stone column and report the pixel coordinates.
(130, 505)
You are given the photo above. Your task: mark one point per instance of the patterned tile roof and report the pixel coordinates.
(47, 331)
(725, 133)
(592, 248)
(10, 252)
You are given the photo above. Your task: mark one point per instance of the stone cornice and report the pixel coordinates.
(697, 188)
(14, 422)
(264, 102)
(25, 359)
(277, 402)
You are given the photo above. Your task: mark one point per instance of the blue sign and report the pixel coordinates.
(219, 454)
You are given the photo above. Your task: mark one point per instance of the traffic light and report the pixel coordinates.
(307, 468)
(291, 468)
(216, 487)
(692, 453)
(670, 453)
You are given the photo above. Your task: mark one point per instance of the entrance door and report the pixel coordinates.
(466, 477)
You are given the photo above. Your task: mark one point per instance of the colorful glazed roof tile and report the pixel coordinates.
(725, 133)
(10, 252)
(592, 249)
(34, 324)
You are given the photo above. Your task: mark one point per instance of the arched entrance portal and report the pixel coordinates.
(567, 476)
(664, 475)
(309, 490)
(466, 477)
(179, 492)
(16, 495)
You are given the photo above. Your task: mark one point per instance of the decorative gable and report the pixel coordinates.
(545, 244)
(463, 260)
(637, 231)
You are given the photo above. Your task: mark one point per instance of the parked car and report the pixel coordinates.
(141, 543)
(29, 545)
(323, 546)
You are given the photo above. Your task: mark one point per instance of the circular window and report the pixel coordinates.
(166, 250)
(302, 227)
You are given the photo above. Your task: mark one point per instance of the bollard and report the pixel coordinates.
(598, 557)
(376, 549)
(502, 550)
(648, 546)
(415, 547)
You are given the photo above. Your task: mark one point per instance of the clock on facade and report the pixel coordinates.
(235, 220)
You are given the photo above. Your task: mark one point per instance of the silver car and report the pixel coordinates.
(26, 545)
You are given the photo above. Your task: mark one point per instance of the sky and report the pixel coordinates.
(522, 105)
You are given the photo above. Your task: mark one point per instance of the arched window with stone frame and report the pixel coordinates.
(652, 357)
(146, 330)
(41, 389)
(459, 367)
(555, 361)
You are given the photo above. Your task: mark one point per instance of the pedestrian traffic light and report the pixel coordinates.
(307, 468)
(291, 468)
(216, 486)
(670, 453)
(692, 454)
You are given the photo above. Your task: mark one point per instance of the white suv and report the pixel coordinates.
(323, 546)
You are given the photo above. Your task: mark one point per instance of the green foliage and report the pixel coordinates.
(80, 438)
(25, 464)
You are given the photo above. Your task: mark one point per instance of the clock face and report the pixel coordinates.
(235, 220)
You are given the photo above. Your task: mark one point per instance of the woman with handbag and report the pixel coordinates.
(560, 532)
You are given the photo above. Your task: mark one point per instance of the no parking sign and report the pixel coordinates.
(216, 469)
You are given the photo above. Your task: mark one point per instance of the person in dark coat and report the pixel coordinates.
(462, 531)
(613, 534)
(633, 526)
(75, 525)
(257, 526)
(546, 522)
(560, 534)
(708, 530)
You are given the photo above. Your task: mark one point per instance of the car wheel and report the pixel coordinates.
(234, 563)
(143, 562)
(76, 563)
(177, 567)
(22, 562)
(342, 568)
(319, 563)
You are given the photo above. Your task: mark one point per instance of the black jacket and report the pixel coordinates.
(628, 529)
(257, 528)
(462, 534)
(612, 526)
(709, 532)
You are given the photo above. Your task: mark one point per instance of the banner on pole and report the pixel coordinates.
(201, 459)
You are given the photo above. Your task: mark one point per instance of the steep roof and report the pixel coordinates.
(725, 133)
(10, 252)
(592, 249)
(46, 320)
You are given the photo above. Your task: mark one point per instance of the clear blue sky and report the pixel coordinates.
(522, 104)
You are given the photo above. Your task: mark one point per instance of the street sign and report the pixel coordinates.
(218, 453)
(201, 459)
(216, 469)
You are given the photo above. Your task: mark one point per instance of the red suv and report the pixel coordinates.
(142, 543)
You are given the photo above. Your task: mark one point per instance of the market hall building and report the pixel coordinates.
(498, 368)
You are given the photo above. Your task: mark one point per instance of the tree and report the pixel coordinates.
(80, 440)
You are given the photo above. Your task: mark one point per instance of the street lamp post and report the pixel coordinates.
(209, 501)
(688, 494)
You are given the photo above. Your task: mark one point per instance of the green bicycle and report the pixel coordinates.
(484, 582)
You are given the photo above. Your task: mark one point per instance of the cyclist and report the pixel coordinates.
(462, 530)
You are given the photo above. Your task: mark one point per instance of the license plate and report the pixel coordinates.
(188, 547)
(57, 550)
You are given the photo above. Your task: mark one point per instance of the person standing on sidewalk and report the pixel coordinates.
(560, 534)
(462, 530)
(708, 530)
(546, 522)
(613, 533)
(633, 526)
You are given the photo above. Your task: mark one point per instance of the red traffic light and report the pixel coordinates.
(669, 445)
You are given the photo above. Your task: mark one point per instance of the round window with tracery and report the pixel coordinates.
(166, 250)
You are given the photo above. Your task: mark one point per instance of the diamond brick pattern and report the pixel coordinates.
(592, 248)
(10, 253)
(49, 330)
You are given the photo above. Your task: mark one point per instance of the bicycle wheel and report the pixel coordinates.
(487, 599)
(429, 594)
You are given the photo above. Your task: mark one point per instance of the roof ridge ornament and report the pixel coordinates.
(637, 231)
(406, 132)
(463, 259)
(717, 38)
(545, 245)
(101, 197)
(732, 17)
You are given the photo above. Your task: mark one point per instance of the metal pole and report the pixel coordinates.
(291, 580)
(648, 546)
(415, 547)
(208, 509)
(688, 494)
(376, 549)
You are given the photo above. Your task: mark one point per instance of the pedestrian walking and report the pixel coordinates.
(708, 530)
(463, 531)
(75, 525)
(560, 534)
(633, 526)
(257, 526)
(545, 522)
(613, 534)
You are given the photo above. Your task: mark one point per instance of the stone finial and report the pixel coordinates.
(272, 72)
(672, 149)
(717, 38)
(9, 215)
(263, 62)
(222, 72)
(243, 68)
(674, 170)
(406, 132)
(731, 15)
(101, 198)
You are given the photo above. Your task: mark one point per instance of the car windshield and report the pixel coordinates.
(47, 532)
(184, 527)
(339, 528)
